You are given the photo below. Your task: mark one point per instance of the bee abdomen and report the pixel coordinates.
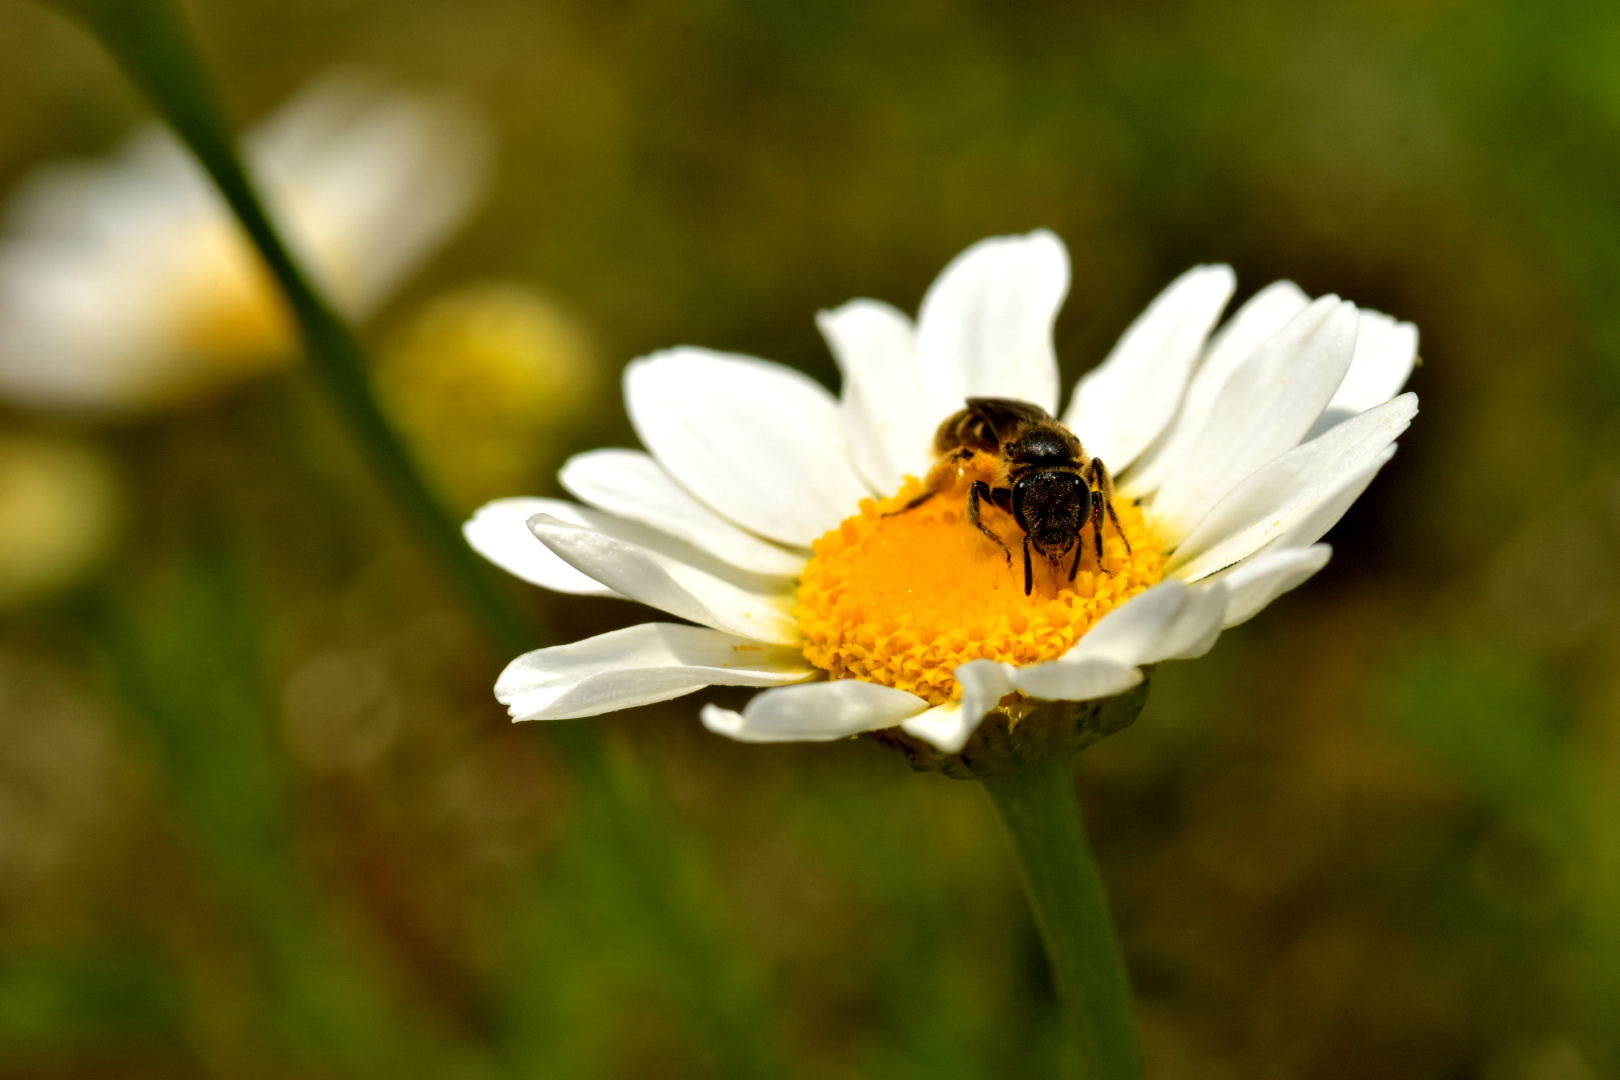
(964, 429)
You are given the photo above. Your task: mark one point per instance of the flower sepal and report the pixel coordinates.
(1023, 732)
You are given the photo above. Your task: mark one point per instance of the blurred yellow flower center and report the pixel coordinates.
(59, 509)
(230, 312)
(902, 600)
(485, 382)
(230, 321)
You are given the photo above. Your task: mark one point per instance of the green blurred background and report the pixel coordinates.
(259, 816)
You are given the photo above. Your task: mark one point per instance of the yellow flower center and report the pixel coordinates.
(902, 598)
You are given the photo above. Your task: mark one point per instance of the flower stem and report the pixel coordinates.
(150, 42)
(1037, 804)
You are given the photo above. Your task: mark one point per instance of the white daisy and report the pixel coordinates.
(126, 284)
(764, 510)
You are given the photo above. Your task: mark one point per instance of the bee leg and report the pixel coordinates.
(981, 490)
(1105, 486)
(1096, 530)
(1074, 567)
(937, 477)
(1108, 505)
(913, 504)
(1029, 569)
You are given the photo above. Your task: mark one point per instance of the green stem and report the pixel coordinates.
(149, 41)
(1037, 804)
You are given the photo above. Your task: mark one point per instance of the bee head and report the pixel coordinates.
(1051, 507)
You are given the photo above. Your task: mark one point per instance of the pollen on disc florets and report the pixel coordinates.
(902, 599)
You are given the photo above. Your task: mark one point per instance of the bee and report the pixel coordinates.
(1043, 479)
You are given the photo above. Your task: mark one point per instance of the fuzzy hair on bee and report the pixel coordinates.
(1043, 479)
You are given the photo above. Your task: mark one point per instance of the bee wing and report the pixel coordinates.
(1004, 416)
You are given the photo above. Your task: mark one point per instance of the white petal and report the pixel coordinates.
(658, 580)
(815, 712)
(499, 531)
(1260, 580)
(1128, 632)
(1194, 632)
(90, 278)
(1289, 490)
(81, 332)
(889, 423)
(368, 179)
(632, 485)
(1263, 410)
(1312, 526)
(1262, 316)
(985, 325)
(1122, 405)
(984, 683)
(1386, 351)
(1167, 622)
(758, 442)
(948, 727)
(660, 543)
(1267, 312)
(1077, 680)
(150, 183)
(637, 666)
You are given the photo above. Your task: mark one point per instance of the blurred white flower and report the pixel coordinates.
(765, 511)
(126, 285)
